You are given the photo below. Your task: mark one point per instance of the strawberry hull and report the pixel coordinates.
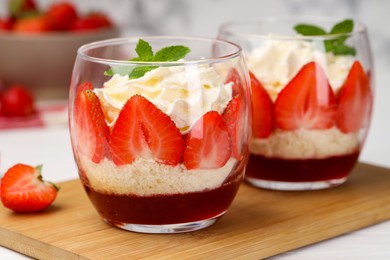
(300, 170)
(164, 209)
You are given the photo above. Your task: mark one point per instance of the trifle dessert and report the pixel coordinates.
(159, 140)
(312, 100)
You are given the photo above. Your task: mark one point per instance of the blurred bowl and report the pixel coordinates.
(44, 62)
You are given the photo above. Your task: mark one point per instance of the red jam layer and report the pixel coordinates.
(165, 209)
(300, 170)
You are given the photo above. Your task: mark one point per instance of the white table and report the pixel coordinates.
(51, 147)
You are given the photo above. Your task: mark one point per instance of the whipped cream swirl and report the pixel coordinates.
(184, 93)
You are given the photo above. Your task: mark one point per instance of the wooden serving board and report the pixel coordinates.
(259, 224)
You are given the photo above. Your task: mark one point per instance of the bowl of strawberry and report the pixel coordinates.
(312, 96)
(39, 45)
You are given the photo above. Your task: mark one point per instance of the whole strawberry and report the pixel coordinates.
(61, 15)
(24, 191)
(6, 24)
(92, 21)
(17, 101)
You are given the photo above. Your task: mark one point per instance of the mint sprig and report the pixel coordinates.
(145, 53)
(336, 46)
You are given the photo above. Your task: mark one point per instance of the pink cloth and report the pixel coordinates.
(45, 116)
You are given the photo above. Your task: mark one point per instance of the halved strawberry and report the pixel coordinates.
(208, 143)
(91, 129)
(355, 100)
(24, 191)
(234, 76)
(234, 121)
(307, 102)
(263, 109)
(144, 131)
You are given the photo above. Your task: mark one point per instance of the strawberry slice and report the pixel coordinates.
(307, 102)
(263, 109)
(234, 121)
(144, 131)
(234, 77)
(207, 144)
(355, 100)
(24, 191)
(91, 129)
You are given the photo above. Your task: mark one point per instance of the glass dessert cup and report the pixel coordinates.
(312, 99)
(161, 146)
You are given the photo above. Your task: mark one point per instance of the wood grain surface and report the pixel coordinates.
(259, 224)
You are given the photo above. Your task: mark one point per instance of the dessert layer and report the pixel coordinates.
(147, 177)
(302, 144)
(185, 93)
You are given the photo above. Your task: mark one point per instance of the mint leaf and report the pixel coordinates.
(309, 30)
(336, 46)
(139, 71)
(142, 59)
(171, 53)
(344, 50)
(144, 51)
(328, 45)
(121, 70)
(108, 73)
(345, 26)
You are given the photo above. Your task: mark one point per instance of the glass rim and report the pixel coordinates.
(123, 40)
(359, 28)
